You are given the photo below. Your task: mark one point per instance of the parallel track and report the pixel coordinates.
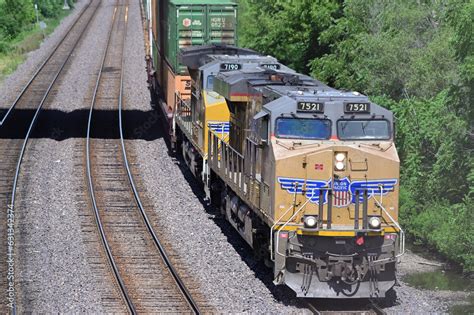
(32, 96)
(52, 65)
(146, 278)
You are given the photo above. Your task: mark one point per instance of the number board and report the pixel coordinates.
(357, 107)
(310, 107)
(271, 66)
(230, 66)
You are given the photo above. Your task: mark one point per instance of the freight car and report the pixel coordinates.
(175, 24)
(308, 175)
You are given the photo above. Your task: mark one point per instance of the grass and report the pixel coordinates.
(24, 43)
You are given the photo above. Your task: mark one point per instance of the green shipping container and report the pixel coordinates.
(197, 22)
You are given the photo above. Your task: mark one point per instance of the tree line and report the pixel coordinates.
(17, 16)
(413, 57)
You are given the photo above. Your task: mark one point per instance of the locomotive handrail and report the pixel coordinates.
(228, 146)
(284, 225)
(179, 114)
(400, 230)
(273, 227)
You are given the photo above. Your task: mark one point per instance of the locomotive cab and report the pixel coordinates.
(336, 175)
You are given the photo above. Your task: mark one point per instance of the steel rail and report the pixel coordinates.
(179, 282)
(373, 307)
(125, 295)
(376, 308)
(35, 117)
(313, 308)
(13, 105)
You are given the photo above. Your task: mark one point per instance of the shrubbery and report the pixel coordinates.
(17, 15)
(50, 8)
(4, 45)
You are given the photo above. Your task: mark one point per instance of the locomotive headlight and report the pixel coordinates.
(340, 157)
(340, 166)
(310, 221)
(340, 163)
(375, 222)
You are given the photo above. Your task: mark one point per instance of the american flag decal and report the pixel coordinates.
(341, 193)
(319, 167)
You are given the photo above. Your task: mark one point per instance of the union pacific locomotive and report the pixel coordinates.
(307, 174)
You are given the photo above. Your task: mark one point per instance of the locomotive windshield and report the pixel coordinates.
(363, 129)
(301, 128)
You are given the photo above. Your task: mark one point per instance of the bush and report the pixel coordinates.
(4, 44)
(448, 229)
(50, 8)
(16, 16)
(8, 26)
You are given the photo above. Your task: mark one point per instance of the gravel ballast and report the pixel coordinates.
(54, 274)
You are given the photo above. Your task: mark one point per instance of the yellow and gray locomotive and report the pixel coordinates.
(307, 174)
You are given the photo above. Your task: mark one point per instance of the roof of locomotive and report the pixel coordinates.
(244, 82)
(226, 63)
(195, 57)
(284, 103)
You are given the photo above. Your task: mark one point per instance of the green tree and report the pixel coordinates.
(50, 8)
(16, 16)
(395, 48)
(288, 30)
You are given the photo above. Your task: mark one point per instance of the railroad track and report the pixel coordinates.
(372, 308)
(33, 95)
(145, 277)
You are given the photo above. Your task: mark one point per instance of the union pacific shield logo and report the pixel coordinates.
(341, 192)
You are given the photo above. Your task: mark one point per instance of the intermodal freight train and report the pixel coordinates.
(307, 174)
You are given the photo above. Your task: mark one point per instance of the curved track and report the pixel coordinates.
(33, 96)
(146, 278)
